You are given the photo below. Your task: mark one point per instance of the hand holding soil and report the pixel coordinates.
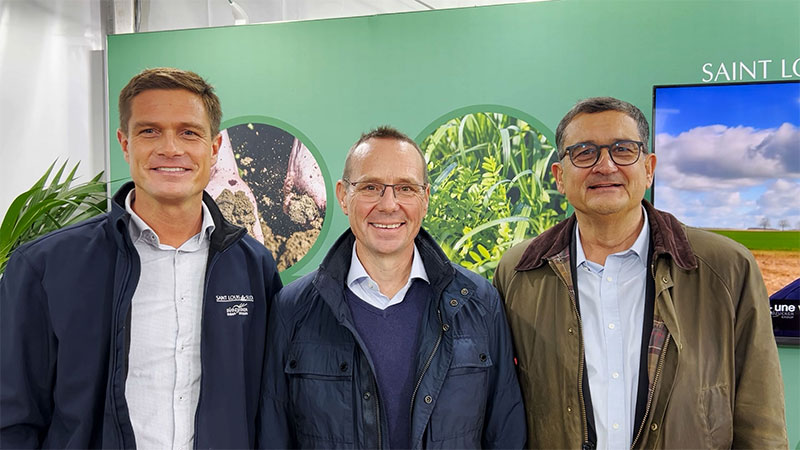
(232, 194)
(285, 188)
(304, 187)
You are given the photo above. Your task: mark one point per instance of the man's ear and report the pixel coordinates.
(341, 195)
(650, 167)
(123, 142)
(558, 174)
(215, 145)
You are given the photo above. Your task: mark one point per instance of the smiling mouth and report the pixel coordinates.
(387, 226)
(170, 169)
(602, 186)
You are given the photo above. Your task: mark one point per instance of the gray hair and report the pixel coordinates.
(601, 104)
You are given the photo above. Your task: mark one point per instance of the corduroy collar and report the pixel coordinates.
(669, 238)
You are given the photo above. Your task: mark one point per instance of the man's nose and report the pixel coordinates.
(605, 164)
(170, 145)
(388, 200)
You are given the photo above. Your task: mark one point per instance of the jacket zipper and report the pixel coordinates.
(584, 425)
(202, 319)
(661, 359)
(114, 359)
(426, 366)
(650, 393)
(377, 411)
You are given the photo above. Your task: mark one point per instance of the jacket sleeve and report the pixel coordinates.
(505, 415)
(275, 429)
(272, 278)
(27, 357)
(758, 414)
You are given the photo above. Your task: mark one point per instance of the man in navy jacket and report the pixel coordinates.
(144, 326)
(388, 344)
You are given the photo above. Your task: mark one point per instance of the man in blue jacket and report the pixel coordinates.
(388, 344)
(144, 326)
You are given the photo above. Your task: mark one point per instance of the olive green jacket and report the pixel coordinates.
(715, 378)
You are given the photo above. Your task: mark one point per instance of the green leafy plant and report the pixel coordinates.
(491, 187)
(46, 207)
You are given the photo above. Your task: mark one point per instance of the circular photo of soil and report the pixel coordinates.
(267, 181)
(491, 187)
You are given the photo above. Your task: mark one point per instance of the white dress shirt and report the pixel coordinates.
(365, 288)
(612, 301)
(163, 384)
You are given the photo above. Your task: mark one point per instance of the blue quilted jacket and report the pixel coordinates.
(320, 387)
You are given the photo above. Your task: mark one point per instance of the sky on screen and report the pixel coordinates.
(729, 155)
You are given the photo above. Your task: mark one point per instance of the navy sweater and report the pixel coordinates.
(391, 339)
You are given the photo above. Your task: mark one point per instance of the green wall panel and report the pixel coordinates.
(330, 80)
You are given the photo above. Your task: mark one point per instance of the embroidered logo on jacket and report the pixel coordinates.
(234, 298)
(237, 310)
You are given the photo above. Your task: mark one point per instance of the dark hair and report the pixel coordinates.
(169, 78)
(384, 132)
(601, 104)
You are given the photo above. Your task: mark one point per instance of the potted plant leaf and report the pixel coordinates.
(48, 206)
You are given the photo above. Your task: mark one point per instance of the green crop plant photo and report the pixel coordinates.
(491, 187)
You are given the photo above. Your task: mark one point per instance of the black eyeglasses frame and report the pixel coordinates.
(569, 150)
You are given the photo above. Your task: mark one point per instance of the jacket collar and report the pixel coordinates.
(337, 262)
(331, 276)
(225, 233)
(669, 238)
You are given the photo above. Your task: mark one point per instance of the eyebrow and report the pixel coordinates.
(147, 124)
(615, 140)
(377, 180)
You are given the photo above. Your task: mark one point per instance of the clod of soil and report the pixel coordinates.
(302, 209)
(237, 209)
(272, 241)
(297, 246)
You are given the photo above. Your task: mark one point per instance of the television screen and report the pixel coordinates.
(729, 161)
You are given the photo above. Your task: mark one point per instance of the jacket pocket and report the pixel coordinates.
(717, 417)
(320, 385)
(459, 410)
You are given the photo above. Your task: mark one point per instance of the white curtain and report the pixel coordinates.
(51, 90)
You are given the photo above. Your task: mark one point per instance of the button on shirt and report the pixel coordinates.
(365, 288)
(612, 301)
(163, 384)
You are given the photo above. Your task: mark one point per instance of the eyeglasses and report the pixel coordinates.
(622, 153)
(372, 191)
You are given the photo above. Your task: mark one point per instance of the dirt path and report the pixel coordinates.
(778, 268)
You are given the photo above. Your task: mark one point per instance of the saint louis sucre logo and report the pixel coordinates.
(234, 298)
(237, 310)
(241, 306)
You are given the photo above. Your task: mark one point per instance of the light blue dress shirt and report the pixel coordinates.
(612, 301)
(163, 384)
(365, 288)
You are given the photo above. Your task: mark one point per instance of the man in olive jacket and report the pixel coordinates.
(631, 329)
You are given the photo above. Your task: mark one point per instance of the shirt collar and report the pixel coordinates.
(140, 230)
(639, 246)
(358, 272)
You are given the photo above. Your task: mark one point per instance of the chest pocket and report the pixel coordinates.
(459, 410)
(320, 385)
